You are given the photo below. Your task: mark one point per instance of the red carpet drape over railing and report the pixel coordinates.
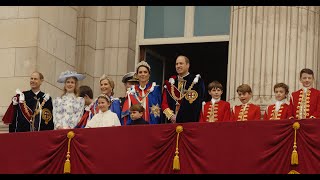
(225, 147)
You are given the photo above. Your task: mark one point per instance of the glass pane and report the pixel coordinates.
(156, 68)
(211, 20)
(164, 21)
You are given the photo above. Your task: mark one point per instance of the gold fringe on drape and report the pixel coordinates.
(176, 161)
(67, 164)
(294, 155)
(293, 172)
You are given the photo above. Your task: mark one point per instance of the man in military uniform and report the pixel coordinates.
(30, 110)
(128, 80)
(183, 94)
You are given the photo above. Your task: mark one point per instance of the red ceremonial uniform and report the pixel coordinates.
(284, 112)
(305, 105)
(218, 112)
(246, 112)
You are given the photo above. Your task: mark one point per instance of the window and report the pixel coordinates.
(164, 21)
(211, 20)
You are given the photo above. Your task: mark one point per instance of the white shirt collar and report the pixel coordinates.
(213, 101)
(279, 103)
(179, 77)
(249, 102)
(141, 88)
(305, 89)
(36, 93)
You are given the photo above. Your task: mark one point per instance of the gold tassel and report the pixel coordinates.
(67, 167)
(176, 161)
(67, 164)
(294, 155)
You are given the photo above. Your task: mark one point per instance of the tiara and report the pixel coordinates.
(144, 63)
(105, 96)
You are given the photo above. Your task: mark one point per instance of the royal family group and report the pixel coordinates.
(179, 100)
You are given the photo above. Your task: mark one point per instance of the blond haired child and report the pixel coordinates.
(247, 111)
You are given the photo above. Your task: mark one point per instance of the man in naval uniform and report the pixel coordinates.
(128, 80)
(183, 94)
(30, 110)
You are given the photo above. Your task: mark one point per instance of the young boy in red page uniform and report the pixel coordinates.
(304, 103)
(215, 110)
(247, 111)
(280, 109)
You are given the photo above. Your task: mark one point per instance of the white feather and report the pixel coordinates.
(46, 97)
(171, 80)
(196, 79)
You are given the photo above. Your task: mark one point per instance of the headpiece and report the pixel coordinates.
(105, 96)
(129, 77)
(66, 74)
(143, 63)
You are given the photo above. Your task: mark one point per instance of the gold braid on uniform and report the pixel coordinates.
(38, 110)
(171, 80)
(168, 112)
(303, 108)
(181, 97)
(276, 114)
(26, 108)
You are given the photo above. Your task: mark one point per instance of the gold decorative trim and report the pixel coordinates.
(293, 172)
(67, 164)
(294, 155)
(176, 161)
(168, 112)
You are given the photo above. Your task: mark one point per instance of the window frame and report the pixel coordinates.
(188, 32)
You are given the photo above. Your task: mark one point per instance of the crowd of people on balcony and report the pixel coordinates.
(179, 100)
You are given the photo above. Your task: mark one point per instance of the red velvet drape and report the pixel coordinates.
(249, 147)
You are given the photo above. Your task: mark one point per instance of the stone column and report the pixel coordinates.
(271, 44)
(56, 45)
(120, 45)
(18, 51)
(35, 38)
(106, 44)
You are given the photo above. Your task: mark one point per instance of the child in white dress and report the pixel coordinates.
(105, 117)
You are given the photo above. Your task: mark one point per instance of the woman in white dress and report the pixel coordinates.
(105, 117)
(68, 109)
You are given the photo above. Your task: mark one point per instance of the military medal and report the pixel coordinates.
(155, 110)
(46, 115)
(191, 96)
